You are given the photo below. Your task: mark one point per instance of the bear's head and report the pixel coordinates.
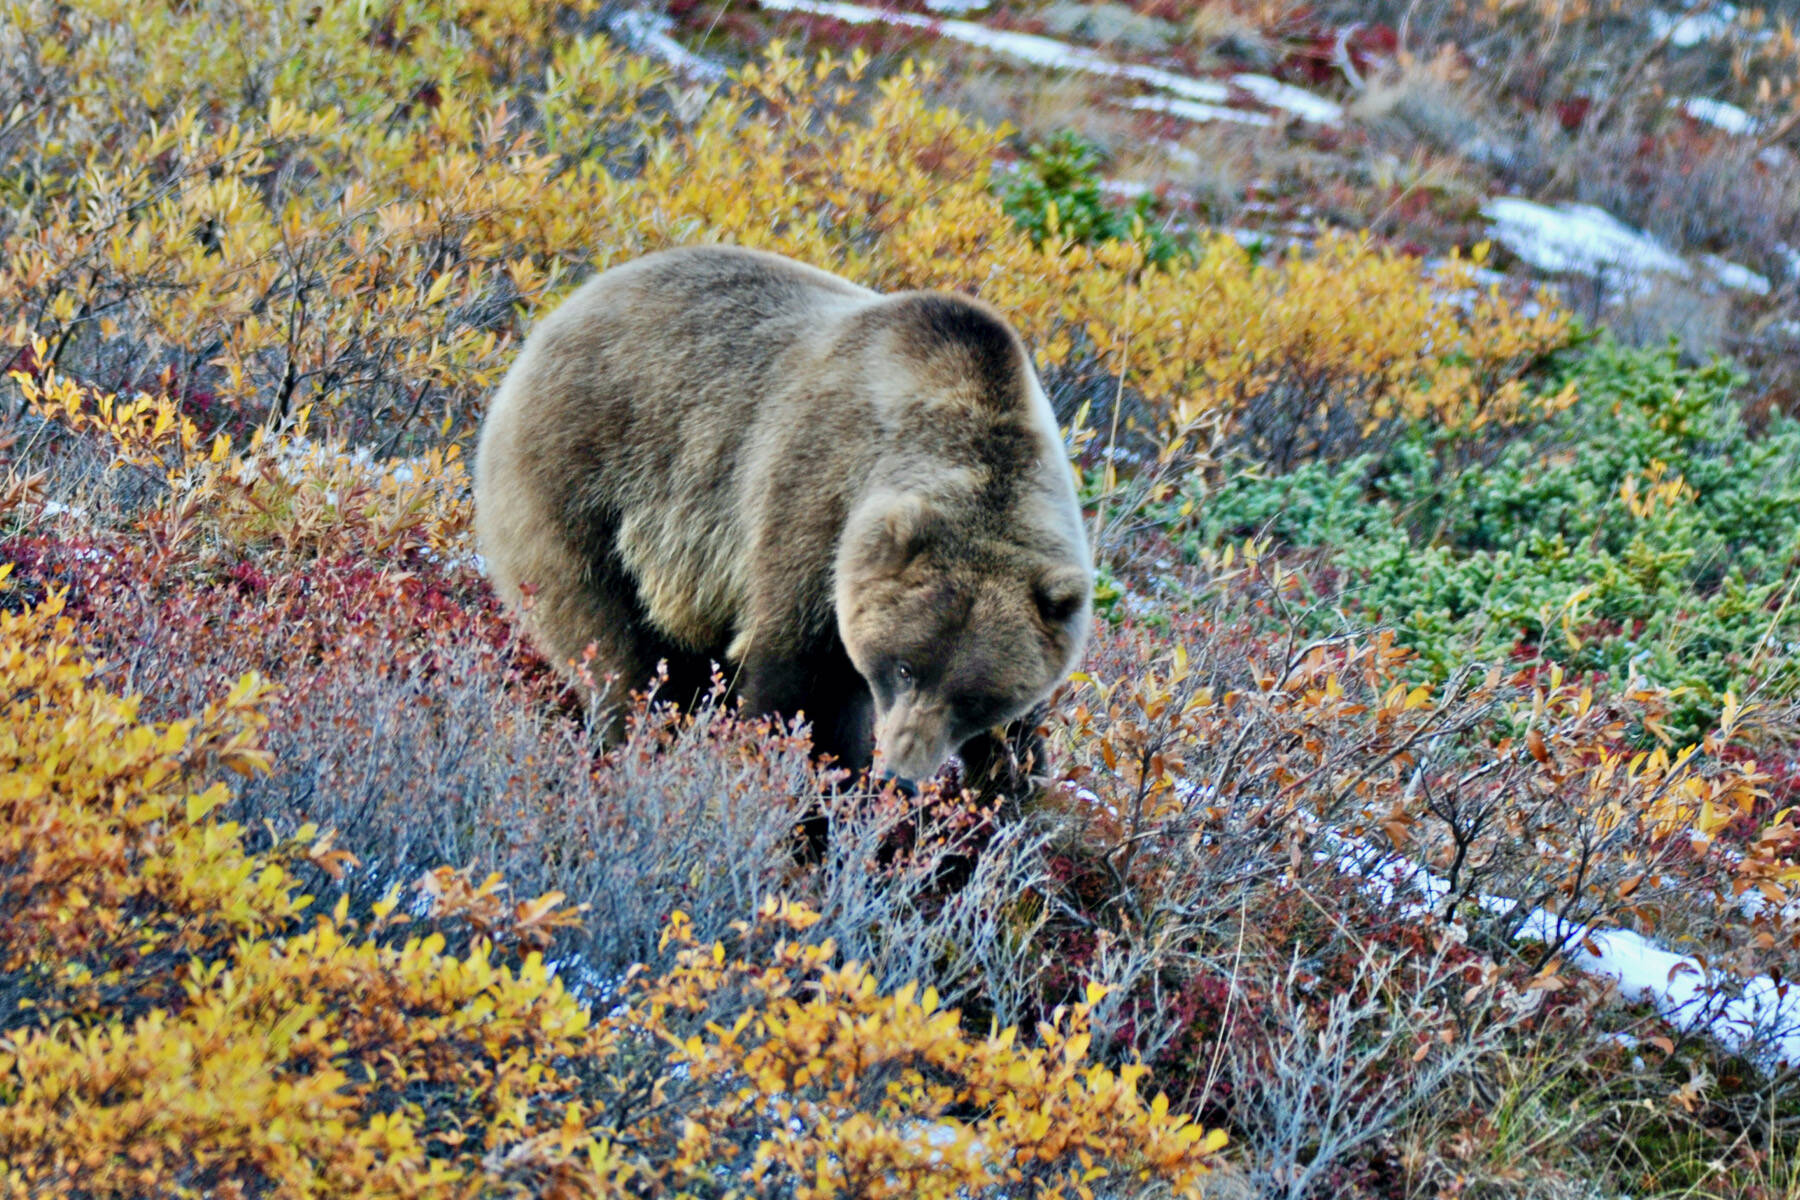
(958, 621)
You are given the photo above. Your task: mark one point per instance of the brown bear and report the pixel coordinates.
(859, 505)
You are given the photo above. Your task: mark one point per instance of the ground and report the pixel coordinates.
(1419, 822)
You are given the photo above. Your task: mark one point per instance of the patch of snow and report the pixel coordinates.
(56, 508)
(1130, 189)
(1762, 1017)
(1088, 796)
(1736, 276)
(1139, 605)
(1489, 153)
(1047, 52)
(1288, 98)
(1025, 47)
(1576, 238)
(1198, 110)
(1474, 282)
(297, 458)
(1176, 152)
(1718, 114)
(1793, 259)
(650, 33)
(454, 560)
(1685, 31)
(956, 7)
(944, 1135)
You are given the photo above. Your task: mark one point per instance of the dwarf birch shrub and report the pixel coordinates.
(182, 1019)
(1225, 771)
(1645, 533)
(357, 209)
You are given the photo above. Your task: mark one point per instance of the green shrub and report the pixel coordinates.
(1056, 196)
(1645, 530)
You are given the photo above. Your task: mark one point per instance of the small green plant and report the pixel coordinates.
(1056, 195)
(1644, 532)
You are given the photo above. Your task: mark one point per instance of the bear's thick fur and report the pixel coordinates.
(858, 504)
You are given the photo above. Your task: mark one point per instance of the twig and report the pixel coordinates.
(1237, 959)
(1605, 108)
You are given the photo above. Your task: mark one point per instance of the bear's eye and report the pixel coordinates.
(903, 672)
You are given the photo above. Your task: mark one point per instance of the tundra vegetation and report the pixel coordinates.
(1441, 639)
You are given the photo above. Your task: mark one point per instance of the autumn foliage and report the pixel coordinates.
(182, 1020)
(313, 881)
(252, 236)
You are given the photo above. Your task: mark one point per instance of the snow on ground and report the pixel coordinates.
(1289, 98)
(1198, 110)
(1583, 240)
(1176, 152)
(1736, 276)
(1684, 31)
(298, 459)
(649, 33)
(1577, 238)
(1759, 1016)
(1472, 283)
(1024, 47)
(1057, 55)
(1130, 189)
(1762, 1017)
(1792, 254)
(1718, 114)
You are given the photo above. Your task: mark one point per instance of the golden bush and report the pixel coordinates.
(356, 208)
(181, 1021)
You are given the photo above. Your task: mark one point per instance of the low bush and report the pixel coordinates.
(245, 238)
(1326, 826)
(182, 1019)
(1645, 533)
(1056, 197)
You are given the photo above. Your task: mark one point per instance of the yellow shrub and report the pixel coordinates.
(178, 1021)
(305, 497)
(854, 1092)
(353, 208)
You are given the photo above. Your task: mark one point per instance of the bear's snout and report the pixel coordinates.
(912, 739)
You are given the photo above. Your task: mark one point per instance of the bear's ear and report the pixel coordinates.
(1060, 592)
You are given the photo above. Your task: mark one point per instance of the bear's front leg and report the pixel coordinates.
(1004, 767)
(825, 688)
(821, 683)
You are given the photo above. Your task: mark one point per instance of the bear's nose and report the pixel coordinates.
(903, 785)
(907, 757)
(912, 739)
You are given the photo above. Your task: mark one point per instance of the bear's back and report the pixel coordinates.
(707, 416)
(655, 402)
